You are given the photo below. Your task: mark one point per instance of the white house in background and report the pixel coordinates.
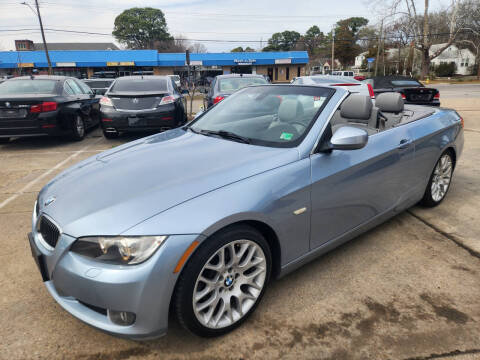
(463, 58)
(359, 59)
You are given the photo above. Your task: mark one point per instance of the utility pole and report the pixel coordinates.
(50, 72)
(378, 47)
(333, 50)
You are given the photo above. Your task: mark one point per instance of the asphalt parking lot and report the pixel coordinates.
(409, 289)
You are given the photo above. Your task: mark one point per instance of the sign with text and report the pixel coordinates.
(244, 61)
(66, 64)
(121, 63)
(25, 65)
(283, 61)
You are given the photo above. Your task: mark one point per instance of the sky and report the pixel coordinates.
(230, 23)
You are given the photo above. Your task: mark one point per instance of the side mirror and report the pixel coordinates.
(348, 138)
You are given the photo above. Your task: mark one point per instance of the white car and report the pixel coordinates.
(352, 85)
(343, 73)
(176, 79)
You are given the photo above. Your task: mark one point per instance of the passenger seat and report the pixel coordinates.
(391, 108)
(358, 111)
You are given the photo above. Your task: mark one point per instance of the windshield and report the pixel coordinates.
(15, 87)
(140, 85)
(233, 84)
(277, 116)
(402, 83)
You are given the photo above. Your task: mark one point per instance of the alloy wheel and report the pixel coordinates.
(229, 284)
(442, 176)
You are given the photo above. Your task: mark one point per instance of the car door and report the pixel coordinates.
(92, 102)
(353, 187)
(81, 99)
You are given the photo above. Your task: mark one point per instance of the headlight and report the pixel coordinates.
(122, 250)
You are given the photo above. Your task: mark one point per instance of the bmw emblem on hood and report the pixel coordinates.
(49, 201)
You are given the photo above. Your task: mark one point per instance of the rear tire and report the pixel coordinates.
(78, 128)
(216, 293)
(439, 182)
(110, 135)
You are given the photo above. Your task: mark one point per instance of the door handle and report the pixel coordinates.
(404, 143)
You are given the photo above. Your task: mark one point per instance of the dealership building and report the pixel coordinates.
(279, 66)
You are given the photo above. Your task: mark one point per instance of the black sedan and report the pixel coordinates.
(225, 85)
(46, 105)
(99, 86)
(142, 103)
(413, 91)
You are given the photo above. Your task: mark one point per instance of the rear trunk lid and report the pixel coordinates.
(136, 101)
(15, 109)
(419, 94)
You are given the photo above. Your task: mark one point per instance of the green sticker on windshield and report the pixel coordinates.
(286, 136)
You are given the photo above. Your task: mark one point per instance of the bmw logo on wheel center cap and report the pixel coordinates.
(228, 281)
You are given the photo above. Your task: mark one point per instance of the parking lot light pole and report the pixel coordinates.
(43, 33)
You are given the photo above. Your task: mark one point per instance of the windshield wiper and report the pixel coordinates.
(191, 129)
(227, 135)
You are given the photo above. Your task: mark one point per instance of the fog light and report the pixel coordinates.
(121, 317)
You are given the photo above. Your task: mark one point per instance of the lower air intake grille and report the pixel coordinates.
(49, 231)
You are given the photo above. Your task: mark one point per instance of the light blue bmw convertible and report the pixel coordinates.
(199, 219)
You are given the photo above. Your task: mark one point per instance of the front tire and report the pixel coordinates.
(439, 182)
(223, 282)
(78, 128)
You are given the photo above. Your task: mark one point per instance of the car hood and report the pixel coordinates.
(120, 188)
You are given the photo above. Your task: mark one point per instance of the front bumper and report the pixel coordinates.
(87, 288)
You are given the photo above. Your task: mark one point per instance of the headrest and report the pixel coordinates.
(357, 106)
(290, 110)
(390, 102)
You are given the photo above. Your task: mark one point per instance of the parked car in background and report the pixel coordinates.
(225, 85)
(348, 83)
(99, 86)
(142, 103)
(195, 221)
(104, 74)
(411, 90)
(46, 105)
(176, 78)
(347, 73)
(143, 72)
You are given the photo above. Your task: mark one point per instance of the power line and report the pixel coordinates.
(226, 40)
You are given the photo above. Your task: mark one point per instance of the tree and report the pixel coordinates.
(142, 28)
(284, 41)
(198, 48)
(346, 36)
(312, 39)
(237, 49)
(429, 28)
(249, 49)
(469, 12)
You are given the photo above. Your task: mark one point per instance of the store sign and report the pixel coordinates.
(121, 63)
(195, 63)
(244, 61)
(25, 65)
(283, 61)
(66, 64)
